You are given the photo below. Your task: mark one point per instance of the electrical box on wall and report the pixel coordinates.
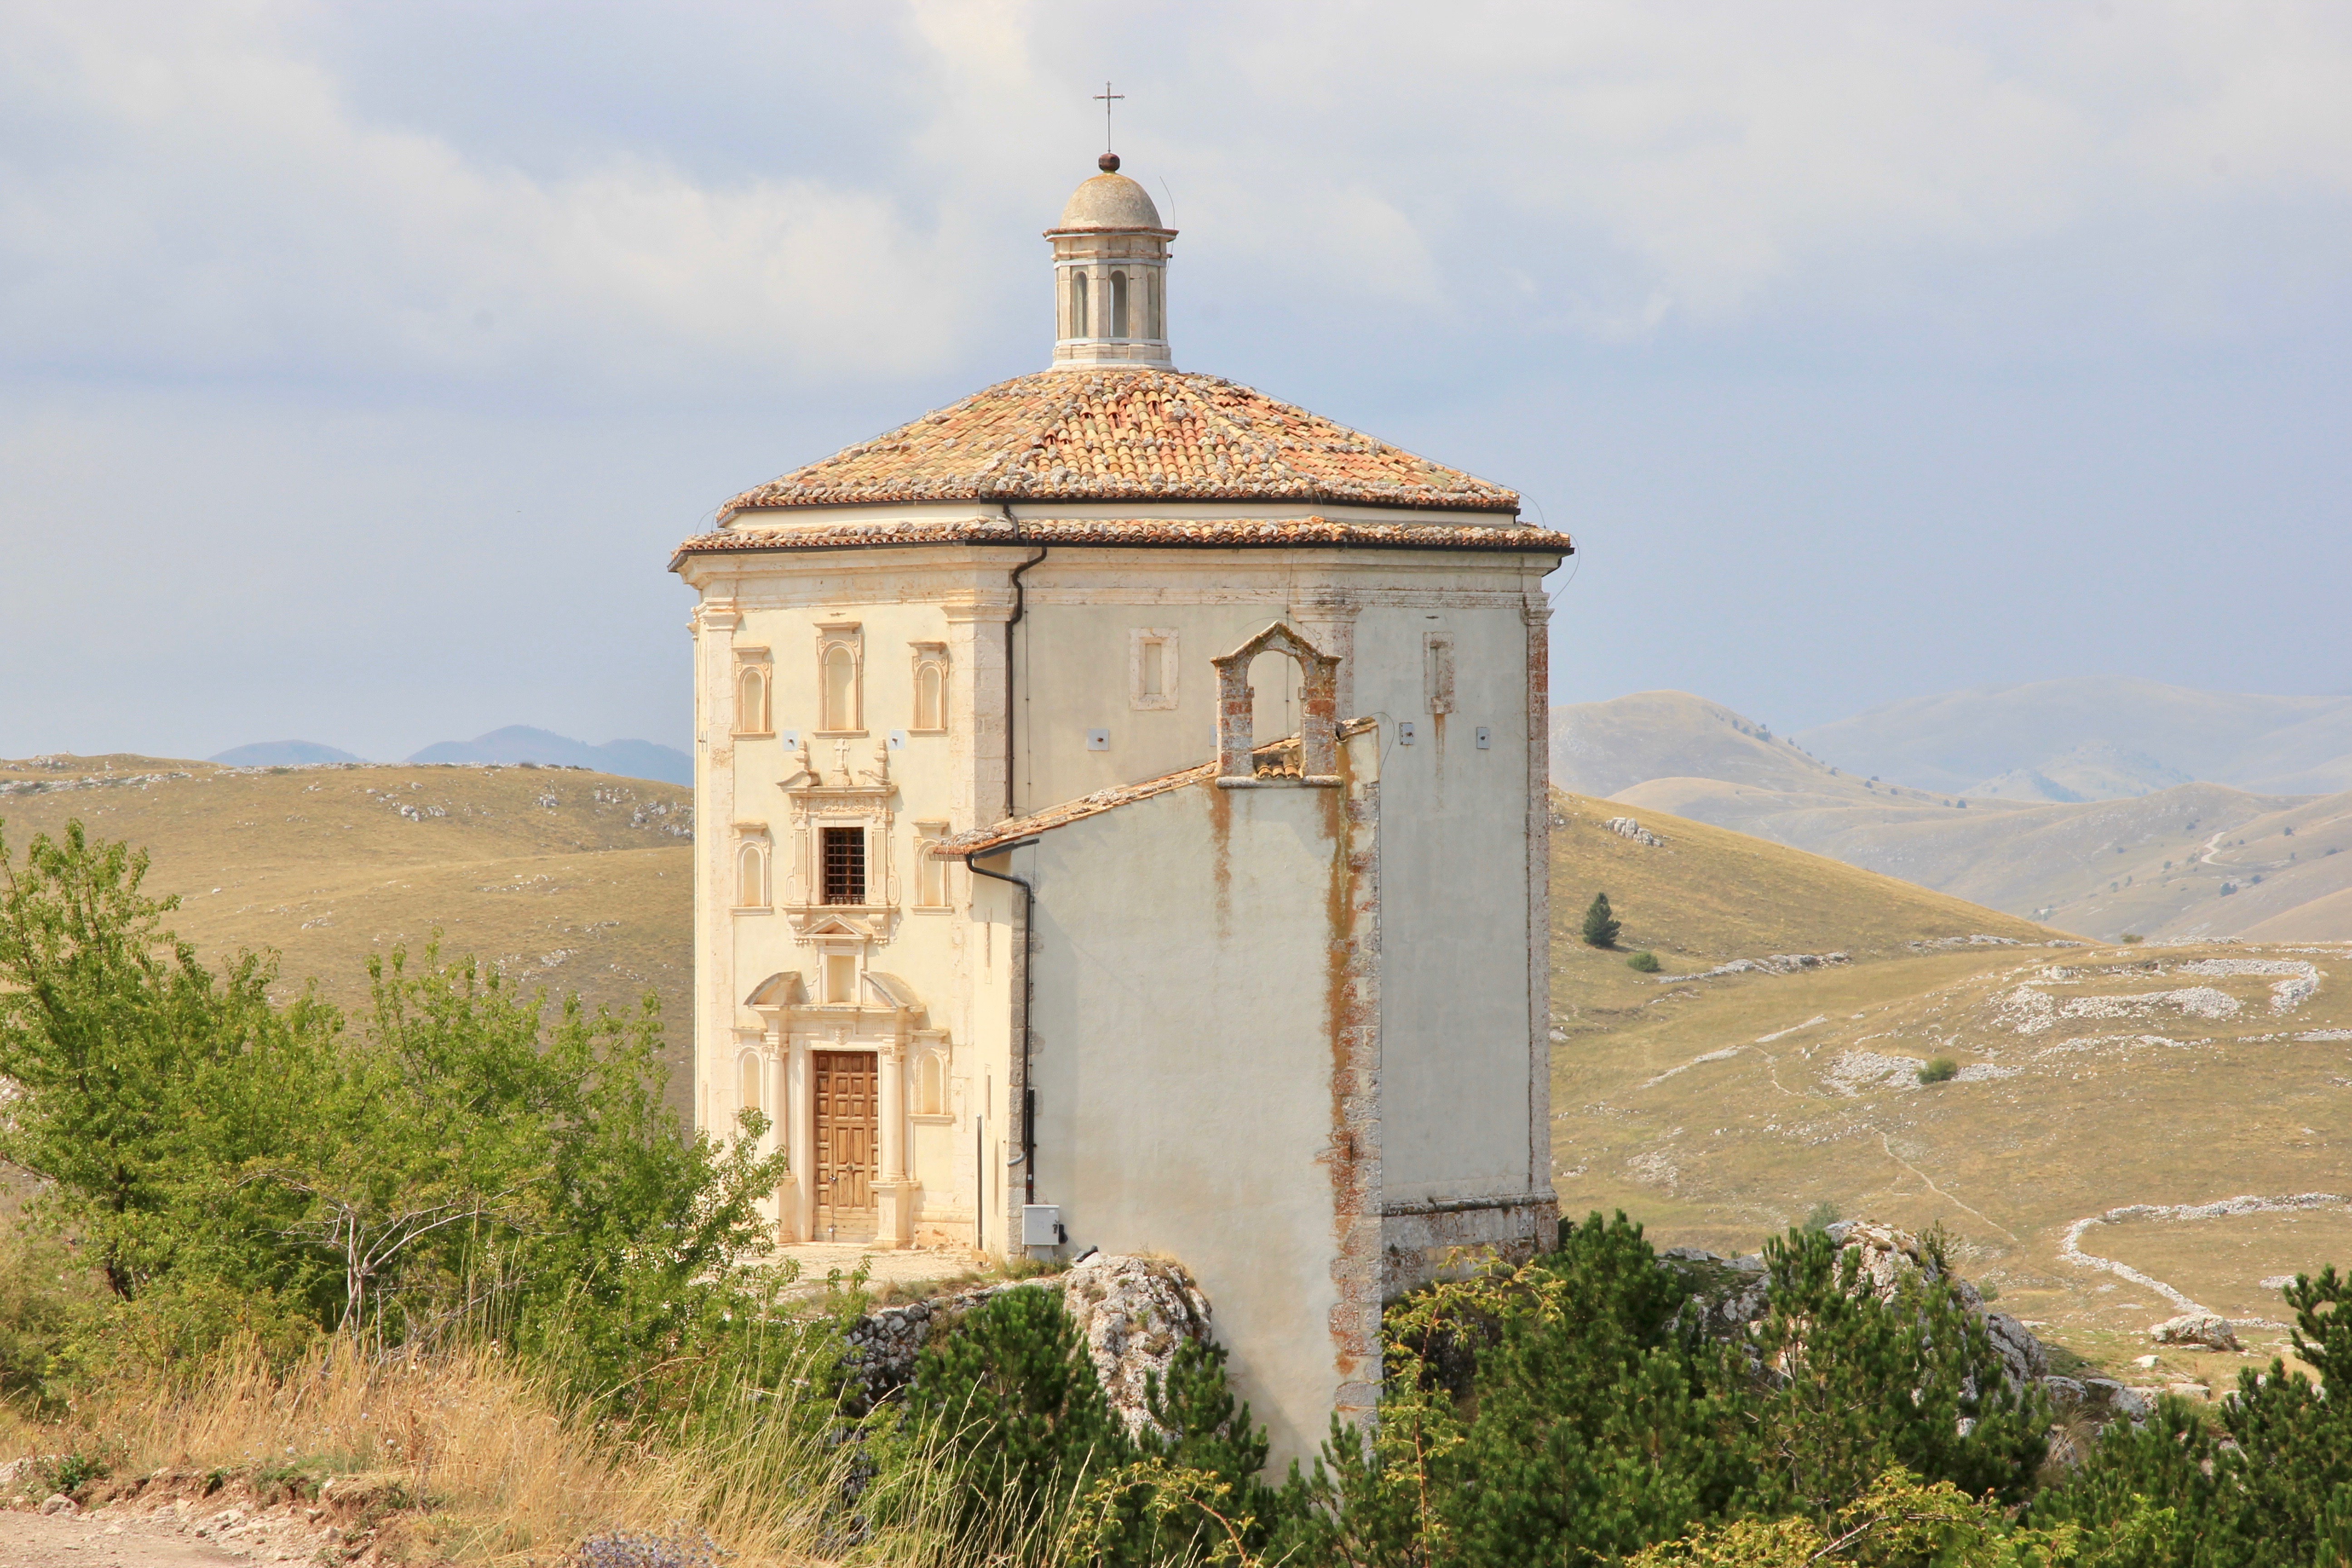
(1041, 1224)
(1098, 739)
(1485, 738)
(791, 739)
(1404, 733)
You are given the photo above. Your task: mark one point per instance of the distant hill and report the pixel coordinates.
(1720, 1105)
(2096, 769)
(2272, 745)
(1600, 748)
(521, 743)
(282, 754)
(2189, 861)
(573, 881)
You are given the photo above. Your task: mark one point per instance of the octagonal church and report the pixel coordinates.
(1122, 825)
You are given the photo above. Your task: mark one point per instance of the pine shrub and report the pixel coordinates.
(1600, 925)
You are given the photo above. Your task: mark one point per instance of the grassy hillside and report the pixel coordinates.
(2090, 1078)
(573, 881)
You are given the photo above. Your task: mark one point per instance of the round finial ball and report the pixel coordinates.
(1107, 162)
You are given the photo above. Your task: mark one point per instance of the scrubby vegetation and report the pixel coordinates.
(1601, 924)
(456, 1245)
(1938, 1069)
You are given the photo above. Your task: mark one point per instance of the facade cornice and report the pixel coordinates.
(1140, 533)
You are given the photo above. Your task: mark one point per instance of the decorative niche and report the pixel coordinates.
(930, 715)
(755, 692)
(754, 888)
(841, 678)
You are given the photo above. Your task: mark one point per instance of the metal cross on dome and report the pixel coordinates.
(1107, 98)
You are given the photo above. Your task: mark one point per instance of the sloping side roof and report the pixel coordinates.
(1108, 433)
(980, 840)
(1202, 533)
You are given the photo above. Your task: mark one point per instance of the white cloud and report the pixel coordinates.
(194, 190)
(204, 201)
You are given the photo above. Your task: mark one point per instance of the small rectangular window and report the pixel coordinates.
(1151, 668)
(1438, 670)
(845, 865)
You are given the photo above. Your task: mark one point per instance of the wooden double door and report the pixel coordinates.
(848, 1111)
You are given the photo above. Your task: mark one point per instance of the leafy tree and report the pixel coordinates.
(1601, 926)
(239, 1168)
(144, 1078)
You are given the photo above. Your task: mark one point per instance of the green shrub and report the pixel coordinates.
(1012, 1393)
(232, 1169)
(1938, 1069)
(1601, 926)
(1646, 960)
(1567, 1411)
(1821, 1215)
(69, 1473)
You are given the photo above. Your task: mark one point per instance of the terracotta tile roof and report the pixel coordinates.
(1202, 534)
(980, 840)
(1108, 433)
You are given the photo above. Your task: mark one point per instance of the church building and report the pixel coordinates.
(1121, 824)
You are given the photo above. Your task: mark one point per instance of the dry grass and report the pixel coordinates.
(477, 1462)
(1718, 1112)
(464, 1458)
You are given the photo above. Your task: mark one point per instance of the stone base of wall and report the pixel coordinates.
(1423, 1241)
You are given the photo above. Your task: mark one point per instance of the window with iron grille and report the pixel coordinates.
(845, 865)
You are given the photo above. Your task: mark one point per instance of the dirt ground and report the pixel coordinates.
(157, 1530)
(31, 1541)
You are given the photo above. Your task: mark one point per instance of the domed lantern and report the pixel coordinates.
(1110, 275)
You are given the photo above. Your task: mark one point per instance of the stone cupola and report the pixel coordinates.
(1110, 276)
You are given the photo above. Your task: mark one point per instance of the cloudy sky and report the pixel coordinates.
(358, 364)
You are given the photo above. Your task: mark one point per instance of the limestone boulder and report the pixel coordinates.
(2200, 1329)
(1134, 1313)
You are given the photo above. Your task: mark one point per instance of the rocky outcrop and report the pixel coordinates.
(1890, 1257)
(2201, 1330)
(1729, 1295)
(1132, 1311)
